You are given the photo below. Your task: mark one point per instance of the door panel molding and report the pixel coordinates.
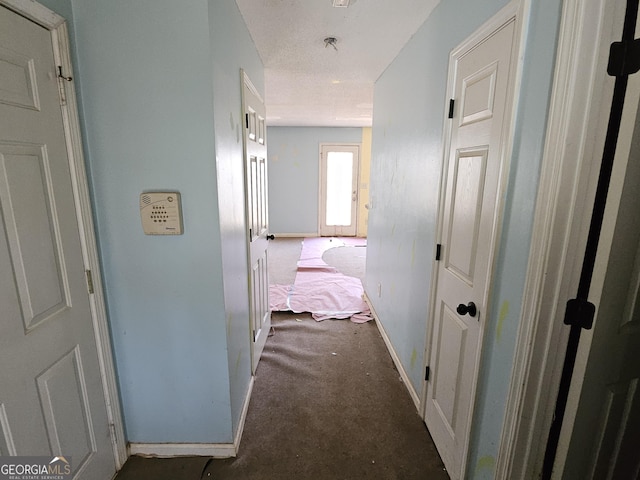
(460, 257)
(41, 281)
(56, 24)
(7, 446)
(66, 376)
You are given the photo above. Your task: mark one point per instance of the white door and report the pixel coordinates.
(51, 395)
(255, 153)
(339, 167)
(606, 430)
(481, 80)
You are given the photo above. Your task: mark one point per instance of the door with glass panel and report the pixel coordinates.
(339, 167)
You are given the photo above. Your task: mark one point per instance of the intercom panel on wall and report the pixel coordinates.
(161, 213)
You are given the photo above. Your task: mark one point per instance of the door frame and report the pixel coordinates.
(519, 11)
(57, 25)
(581, 92)
(321, 175)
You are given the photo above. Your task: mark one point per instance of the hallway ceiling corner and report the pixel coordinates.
(309, 83)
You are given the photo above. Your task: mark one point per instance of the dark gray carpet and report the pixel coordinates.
(284, 254)
(328, 403)
(350, 261)
(184, 468)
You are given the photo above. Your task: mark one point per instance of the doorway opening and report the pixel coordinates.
(339, 172)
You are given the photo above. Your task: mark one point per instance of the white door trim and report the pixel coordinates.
(566, 187)
(60, 38)
(518, 10)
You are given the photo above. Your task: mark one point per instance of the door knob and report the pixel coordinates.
(469, 308)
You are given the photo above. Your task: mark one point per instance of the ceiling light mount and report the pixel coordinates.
(331, 41)
(341, 3)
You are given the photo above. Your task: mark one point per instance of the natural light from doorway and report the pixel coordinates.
(339, 184)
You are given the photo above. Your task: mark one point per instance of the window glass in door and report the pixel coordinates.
(338, 189)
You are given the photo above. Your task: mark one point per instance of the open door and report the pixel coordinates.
(605, 433)
(481, 82)
(339, 169)
(255, 160)
(52, 360)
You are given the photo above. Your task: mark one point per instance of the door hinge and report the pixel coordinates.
(112, 429)
(438, 252)
(427, 373)
(89, 281)
(246, 119)
(61, 86)
(451, 104)
(624, 58)
(580, 312)
(62, 76)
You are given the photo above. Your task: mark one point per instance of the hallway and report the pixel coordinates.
(147, 98)
(327, 403)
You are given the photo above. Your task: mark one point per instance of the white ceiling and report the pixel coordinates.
(308, 84)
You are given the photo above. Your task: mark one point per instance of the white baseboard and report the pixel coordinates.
(296, 235)
(217, 450)
(243, 416)
(394, 355)
(167, 450)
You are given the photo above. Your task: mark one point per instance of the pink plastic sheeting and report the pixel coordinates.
(321, 289)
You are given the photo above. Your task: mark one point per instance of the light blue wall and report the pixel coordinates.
(406, 166)
(62, 8)
(294, 174)
(232, 48)
(145, 73)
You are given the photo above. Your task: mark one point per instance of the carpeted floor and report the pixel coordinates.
(285, 252)
(328, 403)
(320, 288)
(283, 257)
(350, 261)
